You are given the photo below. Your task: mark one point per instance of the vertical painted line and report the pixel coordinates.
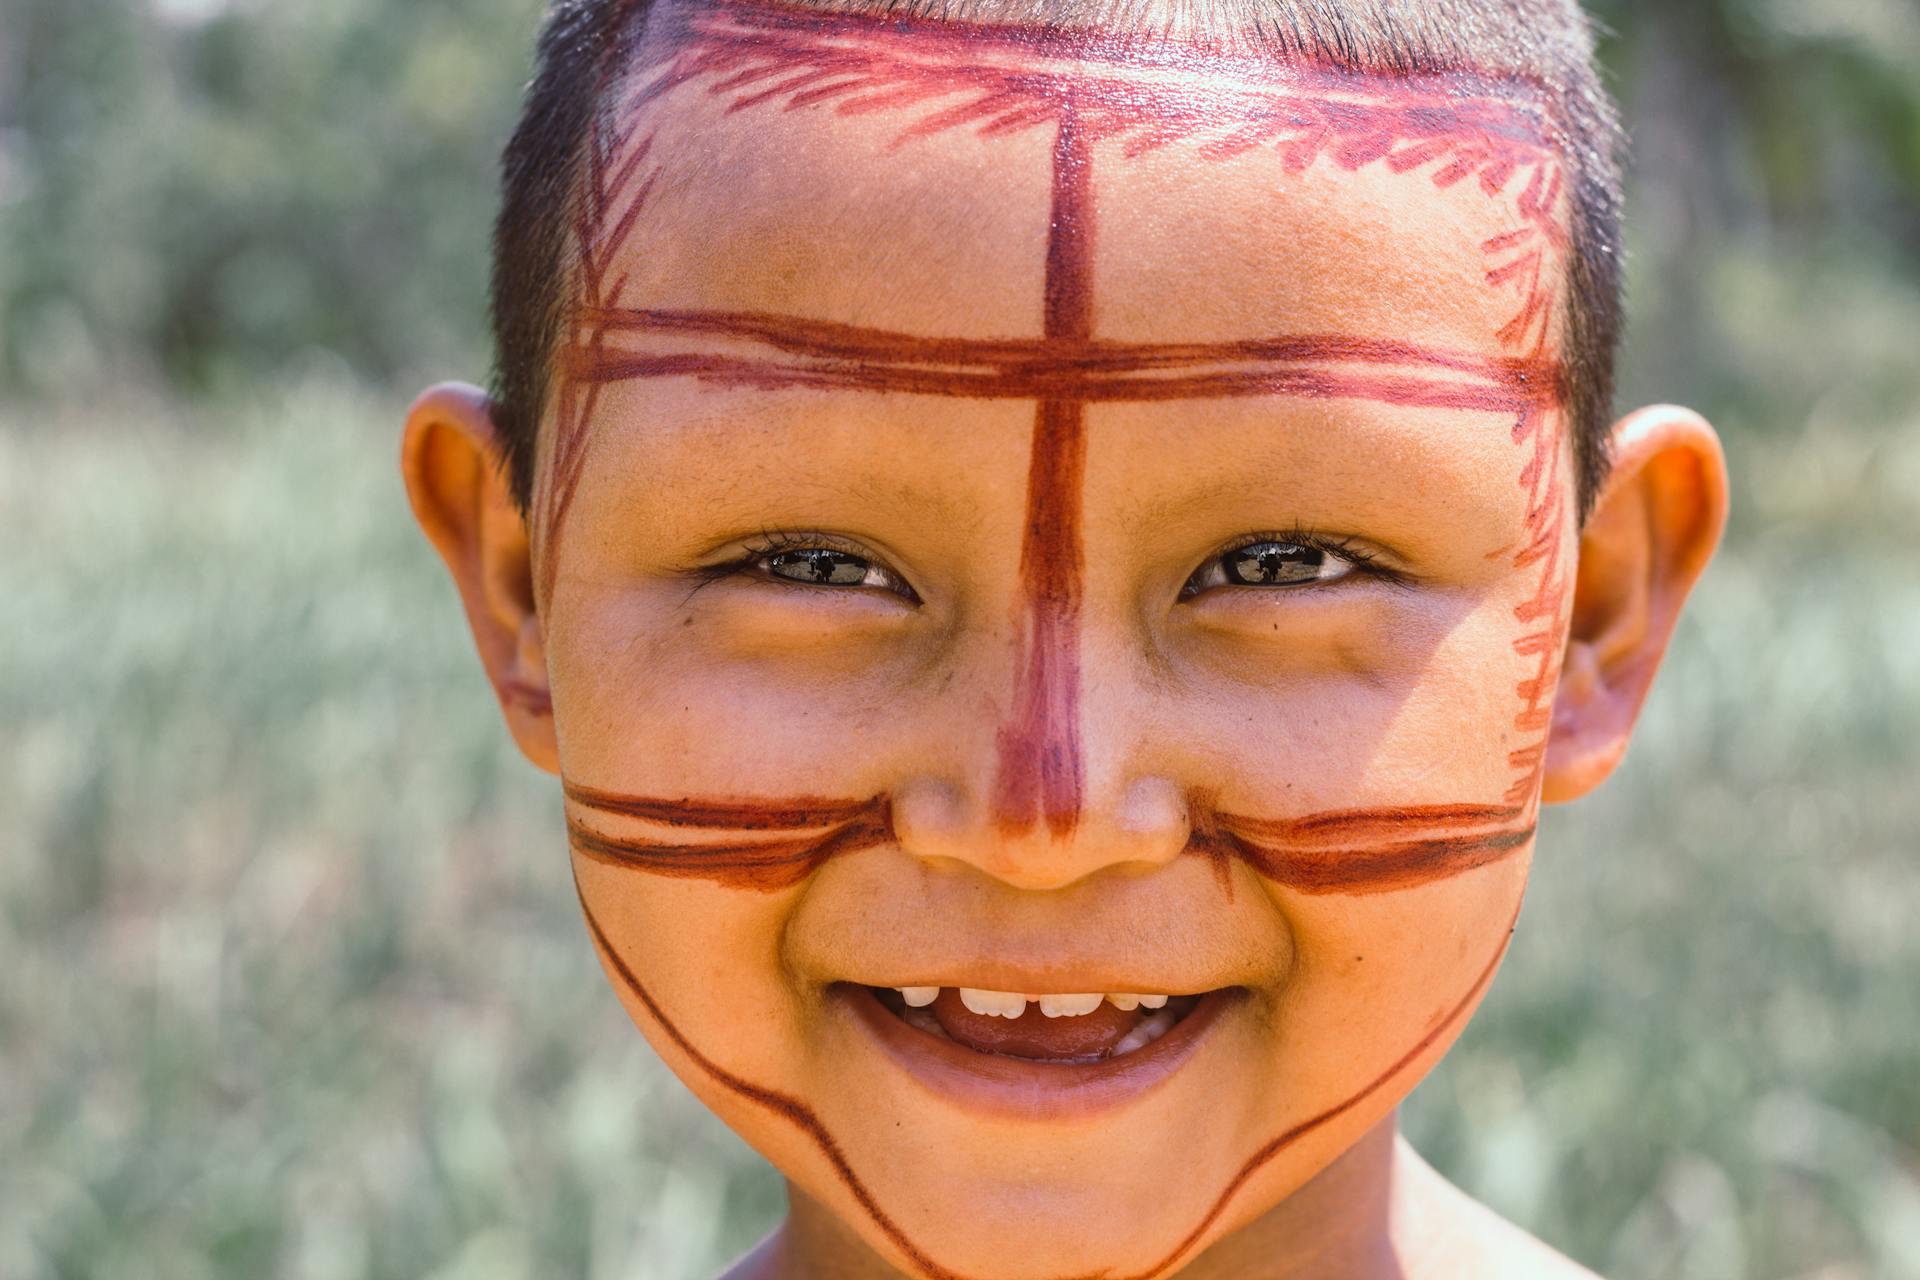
(1041, 774)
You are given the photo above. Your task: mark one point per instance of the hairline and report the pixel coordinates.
(1592, 202)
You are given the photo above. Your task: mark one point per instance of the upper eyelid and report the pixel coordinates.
(768, 541)
(772, 542)
(1336, 544)
(1365, 562)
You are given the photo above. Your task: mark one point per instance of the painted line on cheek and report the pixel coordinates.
(763, 862)
(764, 866)
(789, 1108)
(803, 1117)
(787, 813)
(1450, 1019)
(1040, 772)
(1040, 769)
(1355, 852)
(769, 845)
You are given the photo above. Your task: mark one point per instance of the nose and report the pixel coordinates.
(1066, 782)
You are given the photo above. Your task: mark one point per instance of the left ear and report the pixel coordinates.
(1653, 529)
(450, 457)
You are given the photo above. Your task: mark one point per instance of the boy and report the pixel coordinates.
(1056, 551)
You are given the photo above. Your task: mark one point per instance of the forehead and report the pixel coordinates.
(907, 177)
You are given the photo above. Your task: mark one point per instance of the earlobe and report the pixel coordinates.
(449, 458)
(1653, 529)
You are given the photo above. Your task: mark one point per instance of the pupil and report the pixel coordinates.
(819, 565)
(1266, 564)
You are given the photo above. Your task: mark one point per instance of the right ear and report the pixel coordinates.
(450, 457)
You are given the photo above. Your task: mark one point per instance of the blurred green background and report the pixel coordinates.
(291, 978)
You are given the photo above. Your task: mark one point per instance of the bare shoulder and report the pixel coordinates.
(1450, 1234)
(762, 1262)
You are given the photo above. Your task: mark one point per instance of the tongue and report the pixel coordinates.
(1033, 1034)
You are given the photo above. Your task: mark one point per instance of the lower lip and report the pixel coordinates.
(1025, 1089)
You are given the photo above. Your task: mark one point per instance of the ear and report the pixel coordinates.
(451, 458)
(1653, 529)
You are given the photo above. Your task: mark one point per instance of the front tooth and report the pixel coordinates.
(1069, 1006)
(993, 1004)
(1125, 1001)
(918, 997)
(1152, 1002)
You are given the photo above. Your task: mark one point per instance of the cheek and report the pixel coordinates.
(698, 969)
(659, 699)
(1383, 985)
(1418, 710)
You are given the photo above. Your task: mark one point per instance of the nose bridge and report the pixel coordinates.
(1062, 779)
(1039, 774)
(1053, 811)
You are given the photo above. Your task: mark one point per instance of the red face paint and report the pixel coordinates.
(774, 844)
(605, 213)
(1362, 851)
(807, 831)
(1090, 89)
(803, 1117)
(820, 355)
(1040, 770)
(789, 1108)
(1280, 1142)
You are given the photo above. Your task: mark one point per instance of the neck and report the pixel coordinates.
(1339, 1226)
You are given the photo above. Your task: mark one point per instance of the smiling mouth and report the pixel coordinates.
(1077, 1028)
(1015, 1062)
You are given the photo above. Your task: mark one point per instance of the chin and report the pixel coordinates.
(983, 1166)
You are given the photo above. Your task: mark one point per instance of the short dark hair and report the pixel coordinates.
(585, 46)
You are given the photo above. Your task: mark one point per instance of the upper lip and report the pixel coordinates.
(935, 930)
(1001, 977)
(1024, 1089)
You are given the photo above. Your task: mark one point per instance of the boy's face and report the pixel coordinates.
(1044, 520)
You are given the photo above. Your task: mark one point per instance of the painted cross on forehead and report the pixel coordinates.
(1089, 91)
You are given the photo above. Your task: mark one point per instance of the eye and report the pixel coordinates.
(815, 560)
(1273, 562)
(824, 567)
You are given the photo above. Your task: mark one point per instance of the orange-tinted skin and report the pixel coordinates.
(1038, 322)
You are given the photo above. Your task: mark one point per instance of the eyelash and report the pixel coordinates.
(1363, 561)
(771, 542)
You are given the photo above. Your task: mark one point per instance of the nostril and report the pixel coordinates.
(1140, 826)
(1154, 811)
(929, 818)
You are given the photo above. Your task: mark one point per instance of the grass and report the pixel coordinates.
(295, 984)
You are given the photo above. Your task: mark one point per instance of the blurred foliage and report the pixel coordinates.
(295, 985)
(203, 191)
